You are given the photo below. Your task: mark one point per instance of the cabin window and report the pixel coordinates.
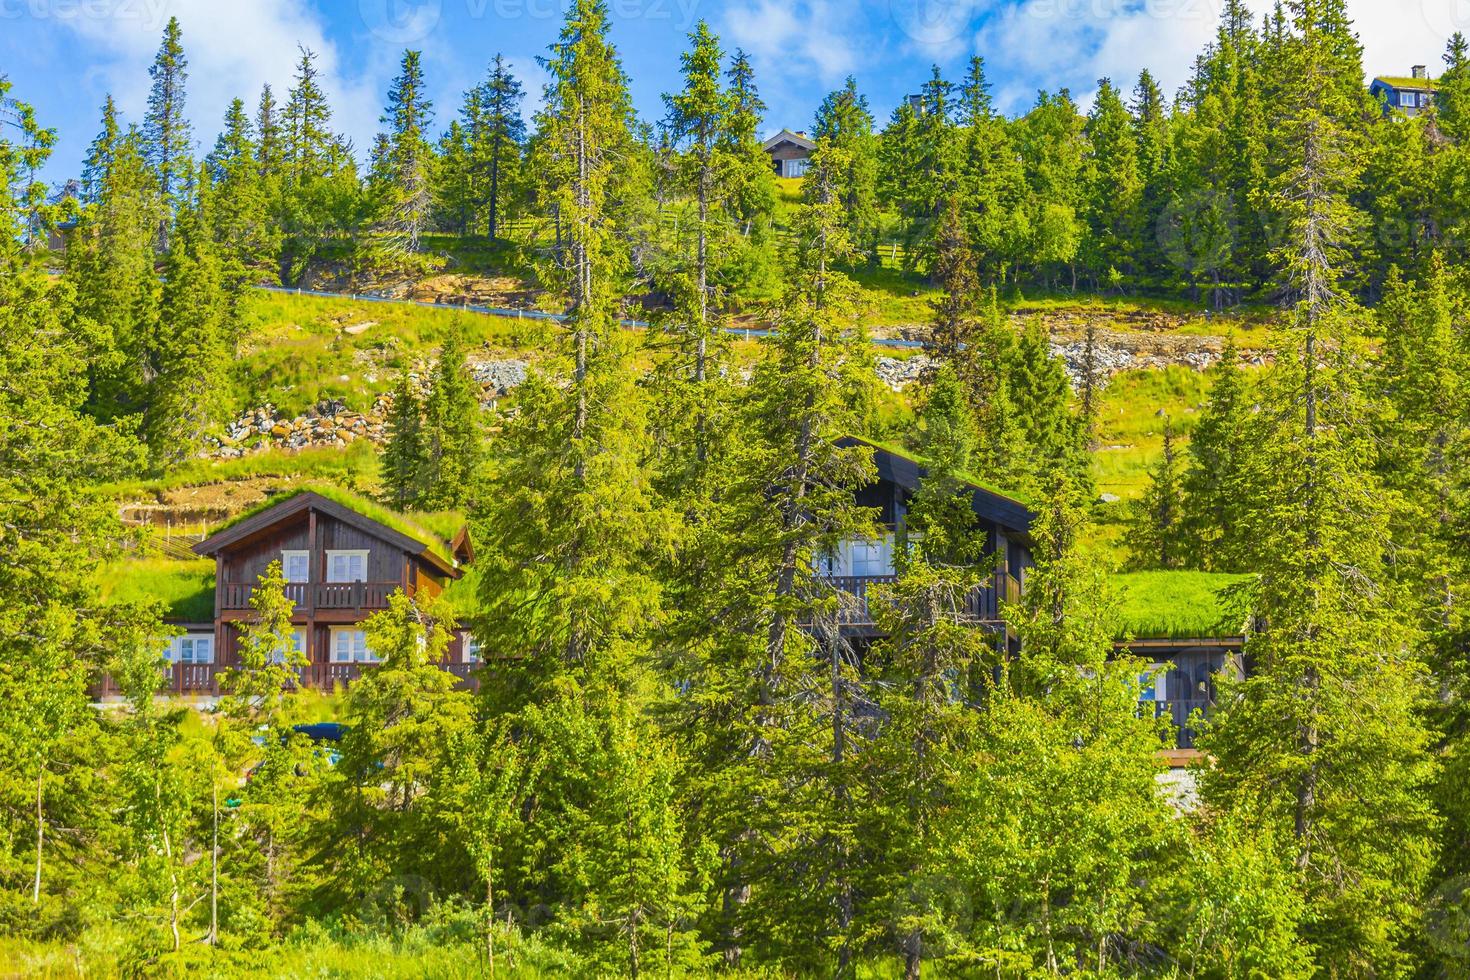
(861, 558)
(298, 645)
(349, 646)
(347, 566)
(471, 647)
(296, 566)
(1152, 685)
(192, 648)
(1409, 99)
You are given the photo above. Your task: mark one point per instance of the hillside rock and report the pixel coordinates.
(332, 423)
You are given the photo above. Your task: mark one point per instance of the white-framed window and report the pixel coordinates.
(349, 646)
(1153, 683)
(862, 558)
(347, 566)
(470, 646)
(191, 648)
(296, 566)
(1409, 100)
(298, 644)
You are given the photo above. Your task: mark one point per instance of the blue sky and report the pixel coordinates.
(64, 56)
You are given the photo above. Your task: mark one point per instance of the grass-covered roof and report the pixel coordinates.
(901, 450)
(428, 529)
(1405, 81)
(1177, 604)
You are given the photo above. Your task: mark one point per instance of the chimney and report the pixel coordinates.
(1420, 72)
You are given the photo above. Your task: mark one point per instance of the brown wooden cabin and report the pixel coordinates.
(1183, 671)
(340, 564)
(790, 153)
(859, 565)
(1186, 672)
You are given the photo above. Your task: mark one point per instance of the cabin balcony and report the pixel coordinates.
(1179, 713)
(204, 680)
(316, 595)
(982, 606)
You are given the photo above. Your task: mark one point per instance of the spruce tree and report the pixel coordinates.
(1114, 191)
(498, 145)
(931, 654)
(404, 463)
(453, 433)
(188, 360)
(1215, 483)
(1322, 746)
(1155, 532)
(408, 155)
(166, 129)
(100, 154)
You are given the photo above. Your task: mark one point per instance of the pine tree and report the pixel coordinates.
(404, 459)
(408, 154)
(100, 154)
(186, 397)
(453, 433)
(1154, 539)
(932, 651)
(168, 135)
(1215, 483)
(1295, 755)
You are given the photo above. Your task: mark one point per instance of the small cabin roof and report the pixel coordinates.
(1406, 82)
(361, 513)
(787, 136)
(907, 469)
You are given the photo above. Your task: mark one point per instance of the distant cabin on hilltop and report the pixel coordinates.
(1409, 95)
(790, 153)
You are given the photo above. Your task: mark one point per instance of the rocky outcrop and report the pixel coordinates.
(332, 424)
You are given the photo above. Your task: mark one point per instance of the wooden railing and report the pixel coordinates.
(981, 605)
(317, 595)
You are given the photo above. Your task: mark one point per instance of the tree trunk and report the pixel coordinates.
(214, 871)
(40, 831)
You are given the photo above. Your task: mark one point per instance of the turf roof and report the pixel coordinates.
(367, 507)
(1178, 604)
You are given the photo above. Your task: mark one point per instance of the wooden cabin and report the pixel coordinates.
(790, 153)
(860, 564)
(341, 561)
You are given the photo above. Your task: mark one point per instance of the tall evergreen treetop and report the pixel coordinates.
(169, 136)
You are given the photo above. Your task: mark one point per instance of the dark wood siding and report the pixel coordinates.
(386, 563)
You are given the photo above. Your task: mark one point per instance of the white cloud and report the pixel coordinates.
(784, 37)
(233, 48)
(1047, 42)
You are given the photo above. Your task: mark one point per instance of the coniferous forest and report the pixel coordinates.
(672, 758)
